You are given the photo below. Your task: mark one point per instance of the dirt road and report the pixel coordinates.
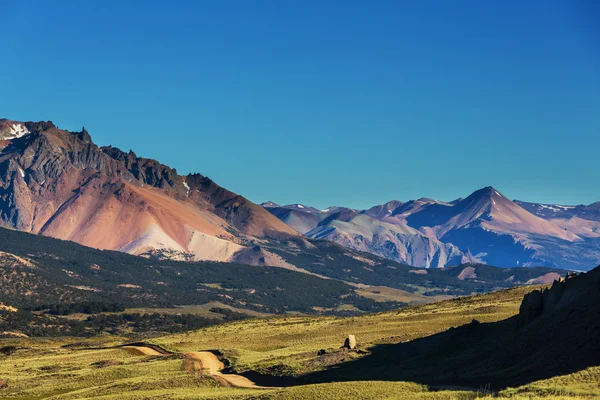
(145, 350)
(208, 363)
(195, 362)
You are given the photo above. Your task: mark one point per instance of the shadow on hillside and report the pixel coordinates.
(495, 355)
(475, 355)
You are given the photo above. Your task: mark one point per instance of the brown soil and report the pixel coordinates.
(207, 363)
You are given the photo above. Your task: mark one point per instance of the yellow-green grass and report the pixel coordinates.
(201, 310)
(375, 390)
(293, 340)
(584, 383)
(384, 293)
(369, 390)
(45, 368)
(48, 370)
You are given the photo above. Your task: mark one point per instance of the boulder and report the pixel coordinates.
(3, 383)
(350, 342)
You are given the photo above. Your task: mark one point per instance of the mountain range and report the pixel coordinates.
(485, 227)
(58, 183)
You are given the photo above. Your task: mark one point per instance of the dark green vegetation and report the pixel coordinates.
(48, 271)
(83, 308)
(56, 278)
(33, 324)
(60, 277)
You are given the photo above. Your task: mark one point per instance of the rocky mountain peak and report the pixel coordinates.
(487, 192)
(484, 201)
(384, 209)
(59, 183)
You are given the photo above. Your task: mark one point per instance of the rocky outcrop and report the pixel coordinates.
(545, 300)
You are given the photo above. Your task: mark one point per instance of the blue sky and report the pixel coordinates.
(324, 102)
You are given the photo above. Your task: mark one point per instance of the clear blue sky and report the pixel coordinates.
(324, 102)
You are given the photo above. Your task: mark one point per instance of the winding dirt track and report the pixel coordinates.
(208, 363)
(195, 362)
(145, 350)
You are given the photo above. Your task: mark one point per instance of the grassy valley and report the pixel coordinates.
(76, 322)
(279, 350)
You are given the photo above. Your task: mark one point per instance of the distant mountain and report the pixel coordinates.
(397, 242)
(555, 211)
(583, 221)
(302, 218)
(485, 227)
(269, 204)
(368, 231)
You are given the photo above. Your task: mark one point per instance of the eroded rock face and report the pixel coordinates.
(531, 307)
(538, 302)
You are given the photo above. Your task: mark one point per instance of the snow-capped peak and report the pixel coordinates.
(269, 204)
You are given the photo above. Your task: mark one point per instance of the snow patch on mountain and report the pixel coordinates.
(17, 130)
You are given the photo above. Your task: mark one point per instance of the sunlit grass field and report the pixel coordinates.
(295, 340)
(72, 368)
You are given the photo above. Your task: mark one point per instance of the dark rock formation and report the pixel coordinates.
(542, 301)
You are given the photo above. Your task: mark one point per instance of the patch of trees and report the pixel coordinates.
(92, 307)
(143, 323)
(372, 306)
(228, 315)
(124, 324)
(72, 274)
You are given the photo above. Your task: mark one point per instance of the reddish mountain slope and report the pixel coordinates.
(60, 184)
